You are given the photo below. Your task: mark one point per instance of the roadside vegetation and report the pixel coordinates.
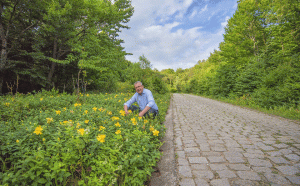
(59, 139)
(257, 65)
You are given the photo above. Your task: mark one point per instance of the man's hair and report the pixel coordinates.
(138, 82)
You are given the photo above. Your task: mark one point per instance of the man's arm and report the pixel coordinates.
(150, 103)
(150, 99)
(144, 111)
(128, 103)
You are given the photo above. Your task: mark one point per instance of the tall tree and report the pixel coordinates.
(144, 62)
(79, 31)
(245, 33)
(17, 19)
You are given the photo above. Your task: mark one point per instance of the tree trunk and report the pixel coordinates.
(3, 49)
(50, 75)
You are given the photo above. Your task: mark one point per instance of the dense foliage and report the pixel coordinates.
(257, 64)
(59, 43)
(57, 139)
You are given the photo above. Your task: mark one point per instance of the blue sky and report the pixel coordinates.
(176, 33)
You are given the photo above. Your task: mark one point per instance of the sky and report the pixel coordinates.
(176, 33)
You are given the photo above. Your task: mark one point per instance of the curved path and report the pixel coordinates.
(213, 143)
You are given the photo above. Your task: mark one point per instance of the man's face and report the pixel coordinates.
(139, 88)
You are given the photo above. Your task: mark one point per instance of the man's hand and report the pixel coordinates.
(126, 110)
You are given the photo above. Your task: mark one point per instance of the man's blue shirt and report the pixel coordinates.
(144, 99)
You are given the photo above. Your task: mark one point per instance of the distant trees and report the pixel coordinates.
(258, 59)
(144, 62)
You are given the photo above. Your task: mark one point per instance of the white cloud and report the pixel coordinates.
(193, 14)
(169, 45)
(203, 9)
(225, 22)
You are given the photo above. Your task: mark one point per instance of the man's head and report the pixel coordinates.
(138, 87)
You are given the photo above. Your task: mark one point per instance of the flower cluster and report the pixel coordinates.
(38, 130)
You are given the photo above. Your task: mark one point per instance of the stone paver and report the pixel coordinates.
(288, 170)
(260, 163)
(220, 144)
(198, 160)
(187, 181)
(238, 167)
(220, 182)
(226, 174)
(248, 175)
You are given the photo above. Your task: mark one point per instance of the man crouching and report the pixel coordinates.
(145, 100)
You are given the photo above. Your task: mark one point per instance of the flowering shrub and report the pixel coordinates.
(53, 139)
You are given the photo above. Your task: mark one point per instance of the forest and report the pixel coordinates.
(70, 44)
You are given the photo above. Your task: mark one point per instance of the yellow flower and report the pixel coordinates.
(58, 112)
(118, 132)
(7, 104)
(81, 131)
(122, 112)
(95, 109)
(17, 141)
(119, 101)
(49, 120)
(109, 113)
(43, 139)
(115, 118)
(101, 138)
(155, 132)
(129, 111)
(133, 120)
(78, 124)
(146, 121)
(41, 99)
(101, 128)
(140, 118)
(118, 124)
(58, 139)
(86, 121)
(65, 122)
(38, 130)
(76, 104)
(87, 95)
(85, 111)
(125, 99)
(101, 109)
(65, 108)
(151, 128)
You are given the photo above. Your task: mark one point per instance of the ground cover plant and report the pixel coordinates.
(61, 139)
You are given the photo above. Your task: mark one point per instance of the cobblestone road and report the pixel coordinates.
(220, 144)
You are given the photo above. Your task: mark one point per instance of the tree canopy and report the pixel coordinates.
(49, 42)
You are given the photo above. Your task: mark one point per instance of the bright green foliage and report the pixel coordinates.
(151, 79)
(258, 62)
(144, 62)
(51, 139)
(65, 38)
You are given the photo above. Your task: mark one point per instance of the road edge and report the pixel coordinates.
(166, 175)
